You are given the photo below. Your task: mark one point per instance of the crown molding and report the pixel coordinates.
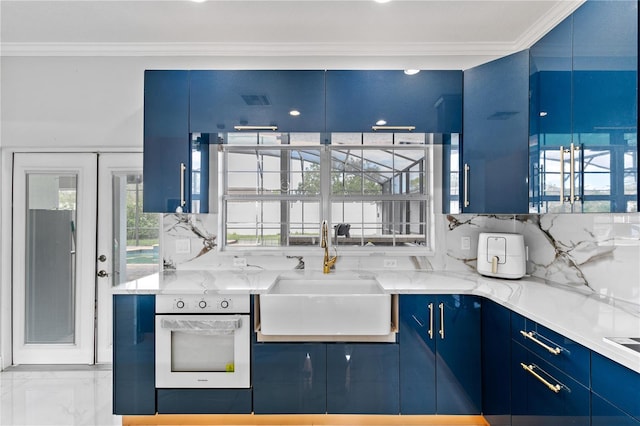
(547, 22)
(255, 49)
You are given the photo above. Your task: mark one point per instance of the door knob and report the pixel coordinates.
(102, 258)
(102, 273)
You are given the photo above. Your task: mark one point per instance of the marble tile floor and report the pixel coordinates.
(56, 395)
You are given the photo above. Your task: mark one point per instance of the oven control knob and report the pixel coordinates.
(180, 304)
(224, 304)
(202, 304)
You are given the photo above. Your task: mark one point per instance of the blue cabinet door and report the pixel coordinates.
(134, 383)
(417, 354)
(166, 140)
(605, 414)
(534, 403)
(496, 354)
(495, 136)
(550, 115)
(222, 100)
(458, 369)
(289, 378)
(429, 101)
(616, 384)
(440, 354)
(204, 401)
(362, 378)
(605, 104)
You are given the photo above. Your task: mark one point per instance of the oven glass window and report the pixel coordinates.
(202, 352)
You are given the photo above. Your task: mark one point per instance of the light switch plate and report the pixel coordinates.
(465, 243)
(183, 246)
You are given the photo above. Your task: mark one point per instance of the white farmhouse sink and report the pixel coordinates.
(325, 305)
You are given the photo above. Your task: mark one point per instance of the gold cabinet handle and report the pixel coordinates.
(441, 306)
(561, 174)
(466, 184)
(530, 335)
(431, 321)
(241, 128)
(183, 168)
(406, 128)
(530, 369)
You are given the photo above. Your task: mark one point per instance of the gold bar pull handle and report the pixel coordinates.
(249, 128)
(183, 169)
(494, 264)
(441, 306)
(530, 335)
(466, 184)
(562, 174)
(530, 369)
(405, 128)
(431, 321)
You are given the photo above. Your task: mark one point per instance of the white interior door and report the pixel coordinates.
(127, 238)
(54, 229)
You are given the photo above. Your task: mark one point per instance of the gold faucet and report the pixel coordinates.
(328, 262)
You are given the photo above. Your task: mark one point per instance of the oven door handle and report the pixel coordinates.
(202, 326)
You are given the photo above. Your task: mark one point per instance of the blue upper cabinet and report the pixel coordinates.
(166, 140)
(365, 101)
(227, 101)
(583, 125)
(494, 144)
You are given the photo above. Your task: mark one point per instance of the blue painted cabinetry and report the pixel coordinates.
(166, 140)
(440, 370)
(495, 133)
(134, 383)
(496, 354)
(220, 101)
(615, 393)
(314, 378)
(584, 94)
(550, 377)
(362, 378)
(204, 401)
(429, 101)
(289, 378)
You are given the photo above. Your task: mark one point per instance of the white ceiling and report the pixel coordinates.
(433, 33)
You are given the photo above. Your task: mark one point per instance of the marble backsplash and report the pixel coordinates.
(598, 253)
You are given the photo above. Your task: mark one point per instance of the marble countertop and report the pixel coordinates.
(579, 315)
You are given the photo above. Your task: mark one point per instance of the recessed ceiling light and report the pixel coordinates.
(411, 71)
(382, 1)
(198, 1)
(294, 112)
(381, 122)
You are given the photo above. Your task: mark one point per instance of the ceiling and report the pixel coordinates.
(434, 34)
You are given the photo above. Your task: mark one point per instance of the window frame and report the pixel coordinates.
(325, 198)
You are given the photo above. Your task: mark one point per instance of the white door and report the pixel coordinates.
(78, 230)
(54, 229)
(127, 238)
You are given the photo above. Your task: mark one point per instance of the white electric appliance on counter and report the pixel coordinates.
(203, 341)
(501, 255)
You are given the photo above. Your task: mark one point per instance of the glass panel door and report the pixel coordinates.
(54, 217)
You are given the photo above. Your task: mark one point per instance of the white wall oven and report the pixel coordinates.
(203, 341)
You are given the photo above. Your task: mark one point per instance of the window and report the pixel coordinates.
(373, 189)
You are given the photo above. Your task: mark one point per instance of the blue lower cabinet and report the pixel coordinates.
(134, 377)
(496, 354)
(616, 384)
(289, 378)
(362, 378)
(535, 403)
(440, 354)
(204, 401)
(605, 414)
